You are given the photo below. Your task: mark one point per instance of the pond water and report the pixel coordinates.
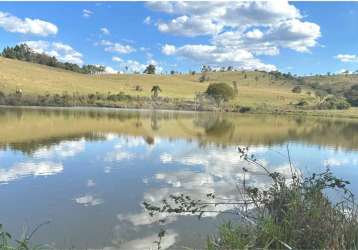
(88, 171)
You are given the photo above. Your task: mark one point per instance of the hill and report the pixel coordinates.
(260, 90)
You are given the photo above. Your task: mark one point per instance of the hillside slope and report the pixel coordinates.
(255, 88)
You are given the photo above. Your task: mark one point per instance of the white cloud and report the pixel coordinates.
(211, 54)
(88, 200)
(135, 66)
(27, 26)
(91, 183)
(254, 34)
(344, 72)
(116, 47)
(117, 59)
(61, 51)
(110, 70)
(147, 20)
(347, 58)
(63, 150)
(148, 242)
(168, 49)
(30, 169)
(105, 31)
(240, 31)
(231, 14)
(87, 13)
(190, 26)
(119, 156)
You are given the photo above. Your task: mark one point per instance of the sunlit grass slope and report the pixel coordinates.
(255, 88)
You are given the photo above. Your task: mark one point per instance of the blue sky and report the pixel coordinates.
(300, 37)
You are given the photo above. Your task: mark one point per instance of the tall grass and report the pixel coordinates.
(7, 242)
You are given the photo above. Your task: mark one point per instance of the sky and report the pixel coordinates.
(298, 37)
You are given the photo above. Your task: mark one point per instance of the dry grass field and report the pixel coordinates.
(255, 89)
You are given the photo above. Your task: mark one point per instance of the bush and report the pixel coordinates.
(220, 92)
(334, 103)
(244, 109)
(297, 89)
(352, 95)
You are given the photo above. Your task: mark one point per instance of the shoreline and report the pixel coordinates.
(337, 114)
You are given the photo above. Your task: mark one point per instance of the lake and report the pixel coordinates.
(87, 171)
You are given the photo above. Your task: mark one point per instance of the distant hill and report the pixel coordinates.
(255, 88)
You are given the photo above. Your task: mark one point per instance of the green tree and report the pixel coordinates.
(150, 69)
(220, 92)
(155, 90)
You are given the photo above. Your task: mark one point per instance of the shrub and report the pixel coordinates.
(352, 95)
(292, 213)
(244, 109)
(334, 103)
(138, 88)
(297, 89)
(301, 103)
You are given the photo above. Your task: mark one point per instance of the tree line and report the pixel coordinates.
(24, 53)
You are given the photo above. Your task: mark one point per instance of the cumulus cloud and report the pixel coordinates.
(110, 70)
(116, 47)
(27, 26)
(168, 49)
(135, 66)
(63, 150)
(61, 51)
(239, 31)
(29, 169)
(87, 13)
(347, 58)
(221, 170)
(190, 26)
(105, 31)
(216, 55)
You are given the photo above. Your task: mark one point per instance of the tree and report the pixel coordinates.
(155, 90)
(220, 92)
(24, 53)
(150, 69)
(204, 76)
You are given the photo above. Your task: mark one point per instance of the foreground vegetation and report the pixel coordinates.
(292, 213)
